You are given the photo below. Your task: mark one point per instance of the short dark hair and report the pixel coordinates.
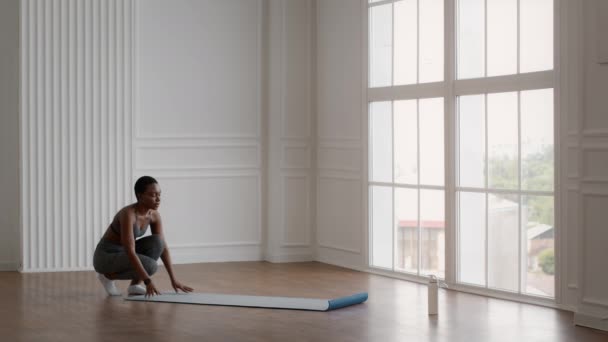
(142, 183)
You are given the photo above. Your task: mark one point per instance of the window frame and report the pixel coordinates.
(450, 88)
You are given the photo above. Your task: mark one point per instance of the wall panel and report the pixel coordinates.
(198, 117)
(76, 126)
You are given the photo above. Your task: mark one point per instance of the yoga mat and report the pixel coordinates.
(293, 303)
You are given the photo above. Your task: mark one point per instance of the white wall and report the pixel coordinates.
(290, 131)
(214, 98)
(340, 216)
(9, 135)
(591, 136)
(198, 118)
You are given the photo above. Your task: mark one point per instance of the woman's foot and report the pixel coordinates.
(136, 290)
(108, 285)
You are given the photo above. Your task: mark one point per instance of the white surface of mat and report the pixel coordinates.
(238, 300)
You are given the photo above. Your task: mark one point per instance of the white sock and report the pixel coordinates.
(136, 290)
(108, 285)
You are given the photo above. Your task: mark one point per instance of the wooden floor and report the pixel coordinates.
(72, 306)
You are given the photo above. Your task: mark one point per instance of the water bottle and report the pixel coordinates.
(433, 292)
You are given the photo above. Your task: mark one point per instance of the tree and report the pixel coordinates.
(536, 174)
(546, 260)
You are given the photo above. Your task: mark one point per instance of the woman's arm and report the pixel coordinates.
(156, 226)
(128, 242)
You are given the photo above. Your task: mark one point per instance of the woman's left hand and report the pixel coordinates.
(179, 286)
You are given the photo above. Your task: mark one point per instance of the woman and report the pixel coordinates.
(120, 256)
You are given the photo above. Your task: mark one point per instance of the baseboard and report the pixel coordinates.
(59, 269)
(600, 323)
(340, 258)
(198, 254)
(9, 266)
(350, 266)
(281, 258)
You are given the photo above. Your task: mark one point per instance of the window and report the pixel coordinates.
(461, 140)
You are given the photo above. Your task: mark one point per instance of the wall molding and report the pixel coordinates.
(9, 266)
(215, 244)
(583, 268)
(307, 241)
(254, 164)
(295, 245)
(284, 258)
(598, 302)
(215, 175)
(595, 133)
(354, 142)
(342, 177)
(338, 248)
(295, 146)
(339, 149)
(590, 321)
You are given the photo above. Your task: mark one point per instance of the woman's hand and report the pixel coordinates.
(178, 286)
(151, 290)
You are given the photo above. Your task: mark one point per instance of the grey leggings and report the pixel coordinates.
(112, 258)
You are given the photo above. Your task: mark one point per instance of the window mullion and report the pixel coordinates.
(485, 38)
(506, 83)
(450, 142)
(393, 135)
(419, 242)
(393, 182)
(486, 181)
(519, 197)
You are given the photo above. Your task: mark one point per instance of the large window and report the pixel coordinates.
(461, 112)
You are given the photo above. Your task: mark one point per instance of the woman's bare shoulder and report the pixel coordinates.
(155, 215)
(126, 211)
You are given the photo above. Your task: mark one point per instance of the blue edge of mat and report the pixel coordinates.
(347, 301)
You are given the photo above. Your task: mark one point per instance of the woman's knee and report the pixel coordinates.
(151, 266)
(158, 242)
(155, 242)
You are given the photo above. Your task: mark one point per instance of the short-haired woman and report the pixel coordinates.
(121, 255)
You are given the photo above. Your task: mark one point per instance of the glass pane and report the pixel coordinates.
(536, 35)
(431, 41)
(471, 39)
(432, 232)
(537, 223)
(406, 42)
(431, 141)
(472, 141)
(380, 45)
(406, 142)
(472, 238)
(537, 140)
(502, 37)
(406, 235)
(381, 140)
(382, 237)
(503, 244)
(502, 141)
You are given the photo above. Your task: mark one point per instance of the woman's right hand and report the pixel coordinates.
(151, 290)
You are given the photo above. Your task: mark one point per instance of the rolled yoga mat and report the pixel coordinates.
(313, 304)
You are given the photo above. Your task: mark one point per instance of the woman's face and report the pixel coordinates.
(151, 197)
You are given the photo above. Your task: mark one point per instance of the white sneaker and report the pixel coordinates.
(136, 290)
(108, 285)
